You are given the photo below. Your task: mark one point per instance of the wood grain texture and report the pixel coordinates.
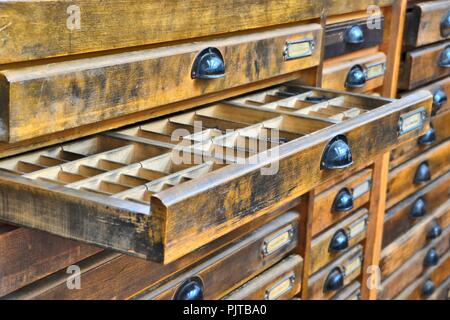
(421, 66)
(235, 265)
(323, 215)
(398, 252)
(423, 24)
(398, 220)
(29, 255)
(50, 98)
(401, 180)
(272, 281)
(351, 292)
(412, 269)
(335, 74)
(442, 292)
(413, 149)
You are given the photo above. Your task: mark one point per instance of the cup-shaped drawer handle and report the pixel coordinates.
(435, 231)
(428, 138)
(439, 98)
(343, 201)
(418, 209)
(445, 25)
(208, 64)
(423, 173)
(444, 59)
(334, 281)
(191, 289)
(339, 241)
(337, 154)
(428, 288)
(354, 35)
(356, 77)
(431, 258)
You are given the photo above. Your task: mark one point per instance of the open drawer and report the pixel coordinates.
(162, 189)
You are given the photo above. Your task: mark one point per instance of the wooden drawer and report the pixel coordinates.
(165, 188)
(351, 292)
(356, 75)
(399, 251)
(335, 241)
(403, 216)
(326, 283)
(443, 292)
(416, 173)
(126, 275)
(353, 35)
(340, 201)
(438, 133)
(46, 99)
(218, 275)
(29, 255)
(281, 282)
(424, 287)
(427, 22)
(413, 268)
(424, 65)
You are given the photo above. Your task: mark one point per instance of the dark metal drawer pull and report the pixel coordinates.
(428, 138)
(339, 241)
(431, 258)
(337, 154)
(191, 289)
(428, 288)
(445, 25)
(434, 232)
(418, 209)
(356, 77)
(444, 60)
(208, 64)
(423, 173)
(343, 201)
(354, 35)
(439, 98)
(334, 281)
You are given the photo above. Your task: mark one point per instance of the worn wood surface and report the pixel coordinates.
(50, 98)
(399, 251)
(281, 282)
(412, 149)
(236, 264)
(421, 66)
(320, 245)
(412, 269)
(401, 179)
(323, 215)
(398, 220)
(351, 292)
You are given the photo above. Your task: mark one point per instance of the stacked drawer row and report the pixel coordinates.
(415, 259)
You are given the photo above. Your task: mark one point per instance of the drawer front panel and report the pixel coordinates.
(326, 283)
(351, 292)
(416, 173)
(413, 268)
(424, 65)
(415, 239)
(443, 292)
(400, 218)
(236, 264)
(340, 201)
(427, 22)
(424, 287)
(355, 75)
(73, 93)
(334, 242)
(281, 282)
(56, 32)
(29, 255)
(349, 36)
(114, 180)
(440, 133)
